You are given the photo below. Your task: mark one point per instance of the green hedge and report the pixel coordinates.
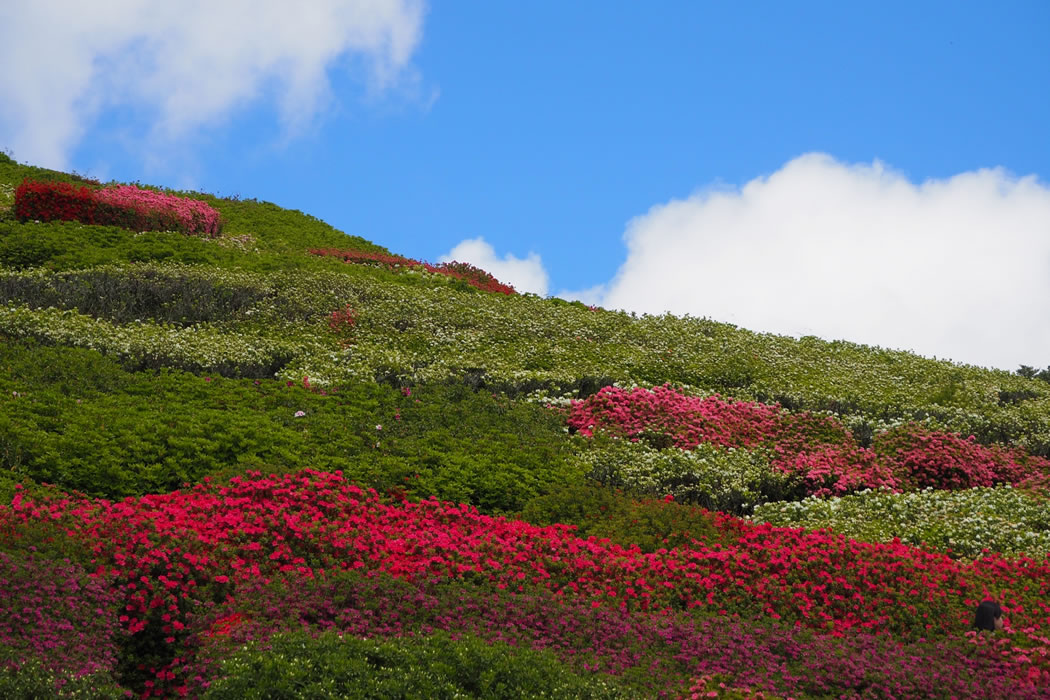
(334, 666)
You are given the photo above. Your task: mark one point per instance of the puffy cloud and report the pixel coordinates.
(956, 268)
(525, 275)
(187, 64)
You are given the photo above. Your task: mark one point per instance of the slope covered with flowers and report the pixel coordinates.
(233, 458)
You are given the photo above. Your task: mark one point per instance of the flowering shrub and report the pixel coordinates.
(192, 216)
(55, 613)
(964, 523)
(34, 679)
(928, 458)
(728, 479)
(474, 276)
(151, 345)
(295, 664)
(342, 319)
(126, 206)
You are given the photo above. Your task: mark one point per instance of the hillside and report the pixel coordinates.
(221, 450)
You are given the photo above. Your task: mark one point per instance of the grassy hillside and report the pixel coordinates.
(224, 452)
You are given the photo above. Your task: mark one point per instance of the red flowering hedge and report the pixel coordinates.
(167, 551)
(126, 206)
(474, 276)
(817, 448)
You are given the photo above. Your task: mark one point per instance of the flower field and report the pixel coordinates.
(233, 460)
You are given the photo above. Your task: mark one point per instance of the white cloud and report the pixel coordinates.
(525, 275)
(188, 64)
(956, 268)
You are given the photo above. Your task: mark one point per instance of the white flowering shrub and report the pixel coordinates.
(1002, 519)
(717, 478)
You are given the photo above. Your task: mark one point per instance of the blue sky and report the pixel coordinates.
(614, 142)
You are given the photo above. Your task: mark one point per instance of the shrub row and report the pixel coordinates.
(474, 276)
(649, 656)
(331, 665)
(817, 449)
(732, 480)
(126, 206)
(54, 612)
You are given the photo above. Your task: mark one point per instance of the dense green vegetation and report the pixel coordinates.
(333, 666)
(75, 418)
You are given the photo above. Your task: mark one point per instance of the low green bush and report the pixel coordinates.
(297, 665)
(601, 512)
(34, 681)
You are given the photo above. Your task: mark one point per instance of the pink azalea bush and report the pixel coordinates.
(474, 276)
(53, 611)
(192, 215)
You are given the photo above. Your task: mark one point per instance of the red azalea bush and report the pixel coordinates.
(126, 206)
(474, 276)
(342, 320)
(817, 448)
(202, 543)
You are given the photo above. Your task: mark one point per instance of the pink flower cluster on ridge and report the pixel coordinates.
(126, 206)
(194, 216)
(819, 449)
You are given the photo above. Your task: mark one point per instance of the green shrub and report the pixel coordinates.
(333, 666)
(34, 681)
(601, 512)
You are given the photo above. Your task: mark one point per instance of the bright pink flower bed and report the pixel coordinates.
(127, 206)
(167, 550)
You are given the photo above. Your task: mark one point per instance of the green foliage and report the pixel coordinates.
(1002, 519)
(34, 681)
(77, 419)
(606, 513)
(716, 478)
(297, 665)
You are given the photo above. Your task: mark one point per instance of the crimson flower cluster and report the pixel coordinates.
(474, 276)
(817, 448)
(126, 206)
